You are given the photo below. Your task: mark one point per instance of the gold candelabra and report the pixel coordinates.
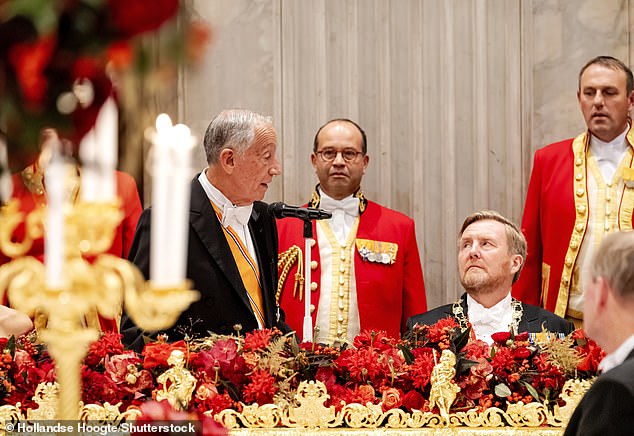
(66, 316)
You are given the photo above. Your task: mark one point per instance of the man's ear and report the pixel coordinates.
(516, 263)
(604, 292)
(227, 160)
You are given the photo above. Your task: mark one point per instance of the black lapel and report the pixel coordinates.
(209, 230)
(529, 316)
(265, 243)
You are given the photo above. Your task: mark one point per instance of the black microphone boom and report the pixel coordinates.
(281, 210)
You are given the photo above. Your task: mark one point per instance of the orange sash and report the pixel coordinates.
(248, 269)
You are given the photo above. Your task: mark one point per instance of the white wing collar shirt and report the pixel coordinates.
(609, 154)
(236, 217)
(343, 214)
(486, 321)
(618, 356)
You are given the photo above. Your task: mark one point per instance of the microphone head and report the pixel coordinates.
(276, 209)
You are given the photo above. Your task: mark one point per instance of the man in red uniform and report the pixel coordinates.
(366, 271)
(580, 190)
(29, 190)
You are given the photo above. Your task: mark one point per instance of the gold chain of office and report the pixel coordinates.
(516, 307)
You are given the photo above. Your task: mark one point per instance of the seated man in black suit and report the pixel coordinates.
(491, 252)
(232, 246)
(608, 407)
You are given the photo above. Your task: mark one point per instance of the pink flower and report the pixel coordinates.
(391, 399)
(117, 366)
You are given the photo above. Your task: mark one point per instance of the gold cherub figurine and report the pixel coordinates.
(178, 383)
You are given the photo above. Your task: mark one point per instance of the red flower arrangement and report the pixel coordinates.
(266, 367)
(51, 48)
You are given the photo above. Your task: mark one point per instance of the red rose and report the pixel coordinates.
(413, 400)
(391, 399)
(522, 353)
(133, 17)
(501, 337)
(521, 337)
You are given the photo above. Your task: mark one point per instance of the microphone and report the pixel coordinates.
(281, 210)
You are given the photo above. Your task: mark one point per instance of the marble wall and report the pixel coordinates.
(455, 95)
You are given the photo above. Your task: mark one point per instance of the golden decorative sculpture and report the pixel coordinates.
(66, 318)
(443, 387)
(45, 397)
(178, 383)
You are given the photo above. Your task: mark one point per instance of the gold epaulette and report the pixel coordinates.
(285, 261)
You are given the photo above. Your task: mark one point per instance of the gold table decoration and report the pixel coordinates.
(66, 318)
(312, 417)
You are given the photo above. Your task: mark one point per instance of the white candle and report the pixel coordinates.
(170, 202)
(6, 185)
(99, 153)
(54, 246)
(106, 134)
(88, 149)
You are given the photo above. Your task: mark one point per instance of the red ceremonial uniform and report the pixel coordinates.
(28, 190)
(555, 221)
(387, 294)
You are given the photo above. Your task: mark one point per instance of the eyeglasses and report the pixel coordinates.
(330, 154)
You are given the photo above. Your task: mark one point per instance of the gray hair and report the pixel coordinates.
(614, 261)
(234, 129)
(515, 239)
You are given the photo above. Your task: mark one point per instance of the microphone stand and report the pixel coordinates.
(307, 333)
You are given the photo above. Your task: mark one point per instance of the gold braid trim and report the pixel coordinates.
(285, 261)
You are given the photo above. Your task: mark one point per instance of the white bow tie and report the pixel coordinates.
(235, 216)
(487, 317)
(350, 205)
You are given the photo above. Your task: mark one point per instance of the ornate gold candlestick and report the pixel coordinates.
(66, 318)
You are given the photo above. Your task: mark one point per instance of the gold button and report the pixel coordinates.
(580, 192)
(574, 245)
(565, 279)
(579, 176)
(608, 198)
(340, 319)
(579, 227)
(579, 161)
(568, 261)
(313, 286)
(609, 184)
(312, 242)
(581, 209)
(340, 305)
(312, 308)
(342, 268)
(313, 264)
(342, 280)
(607, 227)
(608, 211)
